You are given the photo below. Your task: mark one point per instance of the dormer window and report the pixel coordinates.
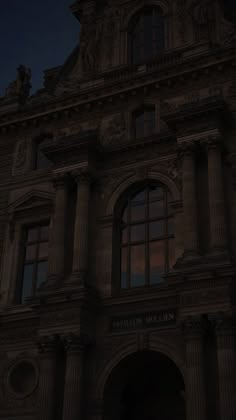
(147, 35)
(144, 121)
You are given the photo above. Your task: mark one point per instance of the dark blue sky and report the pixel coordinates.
(38, 33)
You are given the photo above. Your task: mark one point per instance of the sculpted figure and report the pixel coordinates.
(21, 86)
(203, 15)
(89, 44)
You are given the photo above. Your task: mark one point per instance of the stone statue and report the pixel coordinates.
(89, 43)
(203, 15)
(21, 86)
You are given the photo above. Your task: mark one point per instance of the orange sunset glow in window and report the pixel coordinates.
(147, 249)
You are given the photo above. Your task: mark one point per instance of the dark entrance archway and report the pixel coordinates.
(145, 386)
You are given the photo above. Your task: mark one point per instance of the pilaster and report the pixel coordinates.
(80, 253)
(226, 353)
(57, 237)
(216, 197)
(195, 387)
(73, 393)
(48, 347)
(189, 200)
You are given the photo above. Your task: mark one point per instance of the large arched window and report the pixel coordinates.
(147, 35)
(147, 249)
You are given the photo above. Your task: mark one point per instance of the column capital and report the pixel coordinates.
(60, 180)
(48, 344)
(82, 176)
(186, 148)
(212, 142)
(225, 325)
(74, 343)
(194, 327)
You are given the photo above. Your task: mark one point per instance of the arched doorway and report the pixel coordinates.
(145, 386)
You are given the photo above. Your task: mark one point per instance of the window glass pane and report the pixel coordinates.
(124, 272)
(157, 261)
(124, 236)
(137, 266)
(156, 229)
(27, 282)
(30, 253)
(32, 235)
(137, 233)
(156, 209)
(125, 215)
(150, 122)
(171, 226)
(139, 198)
(41, 160)
(156, 193)
(43, 250)
(41, 273)
(137, 212)
(44, 230)
(172, 258)
(139, 126)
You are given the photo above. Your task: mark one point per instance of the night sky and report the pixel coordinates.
(38, 33)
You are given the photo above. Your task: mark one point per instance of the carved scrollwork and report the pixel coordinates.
(113, 130)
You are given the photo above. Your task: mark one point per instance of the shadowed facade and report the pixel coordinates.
(117, 220)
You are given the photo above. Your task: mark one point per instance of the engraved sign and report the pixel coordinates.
(147, 320)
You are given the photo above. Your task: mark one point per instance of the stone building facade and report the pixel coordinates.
(117, 220)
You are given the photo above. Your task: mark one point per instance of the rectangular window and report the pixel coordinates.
(34, 272)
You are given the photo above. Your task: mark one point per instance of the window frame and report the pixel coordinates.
(138, 19)
(117, 241)
(22, 258)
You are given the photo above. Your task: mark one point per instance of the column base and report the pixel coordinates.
(78, 278)
(52, 282)
(188, 258)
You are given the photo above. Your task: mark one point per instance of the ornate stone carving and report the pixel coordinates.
(21, 159)
(74, 342)
(21, 86)
(113, 130)
(110, 22)
(48, 344)
(194, 327)
(202, 13)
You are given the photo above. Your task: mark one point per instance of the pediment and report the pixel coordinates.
(32, 200)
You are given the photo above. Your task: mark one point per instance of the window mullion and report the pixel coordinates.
(147, 247)
(129, 245)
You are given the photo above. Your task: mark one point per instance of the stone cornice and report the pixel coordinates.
(111, 89)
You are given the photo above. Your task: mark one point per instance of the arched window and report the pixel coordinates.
(147, 248)
(144, 121)
(147, 35)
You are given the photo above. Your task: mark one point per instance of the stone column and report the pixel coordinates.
(57, 237)
(189, 201)
(47, 385)
(226, 353)
(73, 393)
(195, 384)
(216, 197)
(80, 254)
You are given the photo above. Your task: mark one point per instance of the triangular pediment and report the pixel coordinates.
(33, 199)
